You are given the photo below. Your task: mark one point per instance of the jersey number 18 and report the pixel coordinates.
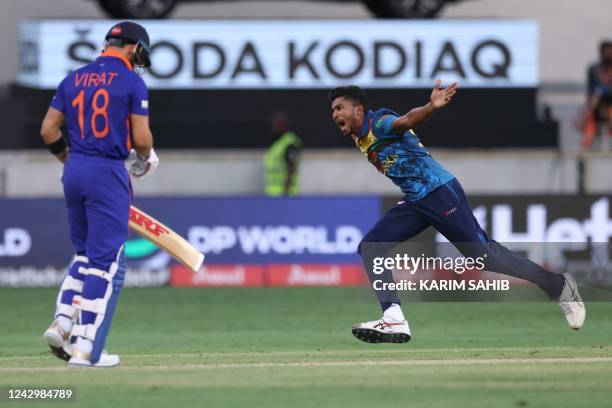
(98, 110)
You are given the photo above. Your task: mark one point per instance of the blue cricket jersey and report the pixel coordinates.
(97, 100)
(400, 156)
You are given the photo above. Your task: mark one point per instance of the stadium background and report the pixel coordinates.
(511, 143)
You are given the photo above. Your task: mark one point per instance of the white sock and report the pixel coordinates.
(394, 313)
(84, 345)
(65, 323)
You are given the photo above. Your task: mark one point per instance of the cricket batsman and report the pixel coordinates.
(105, 108)
(433, 197)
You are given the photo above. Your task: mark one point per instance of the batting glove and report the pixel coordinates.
(139, 166)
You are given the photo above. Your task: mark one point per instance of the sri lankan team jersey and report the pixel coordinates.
(400, 156)
(97, 100)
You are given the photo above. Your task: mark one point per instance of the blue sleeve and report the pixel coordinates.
(382, 124)
(139, 99)
(59, 99)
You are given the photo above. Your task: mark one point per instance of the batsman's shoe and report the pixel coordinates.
(58, 340)
(81, 360)
(571, 303)
(383, 330)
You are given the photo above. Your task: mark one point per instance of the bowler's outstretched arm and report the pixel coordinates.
(439, 98)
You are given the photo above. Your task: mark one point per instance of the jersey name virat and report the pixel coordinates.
(97, 100)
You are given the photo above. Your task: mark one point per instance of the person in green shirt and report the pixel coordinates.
(281, 162)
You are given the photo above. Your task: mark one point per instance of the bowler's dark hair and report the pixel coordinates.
(353, 93)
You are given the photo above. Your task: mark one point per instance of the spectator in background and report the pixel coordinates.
(282, 159)
(598, 113)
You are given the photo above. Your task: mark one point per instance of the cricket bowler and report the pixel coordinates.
(105, 108)
(433, 197)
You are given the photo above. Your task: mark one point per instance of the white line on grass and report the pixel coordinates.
(357, 363)
(315, 353)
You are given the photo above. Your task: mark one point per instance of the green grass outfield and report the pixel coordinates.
(293, 348)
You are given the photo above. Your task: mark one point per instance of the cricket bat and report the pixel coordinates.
(171, 242)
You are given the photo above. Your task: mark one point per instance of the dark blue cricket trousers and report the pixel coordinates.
(98, 197)
(448, 211)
